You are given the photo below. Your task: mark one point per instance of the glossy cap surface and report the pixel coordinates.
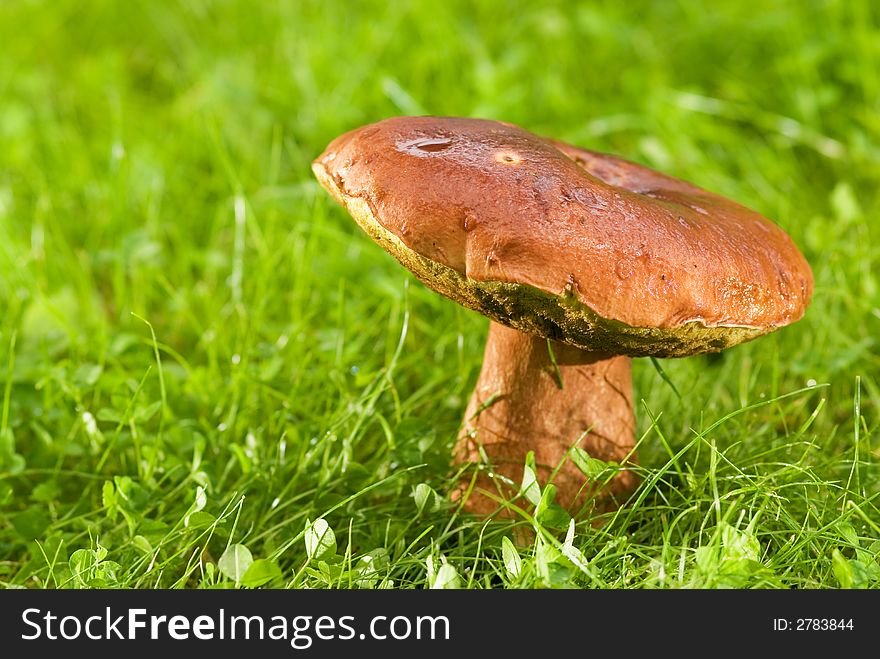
(566, 243)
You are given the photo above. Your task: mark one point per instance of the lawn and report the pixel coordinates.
(201, 354)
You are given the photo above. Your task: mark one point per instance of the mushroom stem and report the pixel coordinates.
(519, 406)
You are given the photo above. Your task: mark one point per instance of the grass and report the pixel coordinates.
(211, 377)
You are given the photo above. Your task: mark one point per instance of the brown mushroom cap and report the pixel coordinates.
(573, 245)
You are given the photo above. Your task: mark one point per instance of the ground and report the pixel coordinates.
(206, 367)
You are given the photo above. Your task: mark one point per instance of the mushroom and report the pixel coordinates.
(582, 261)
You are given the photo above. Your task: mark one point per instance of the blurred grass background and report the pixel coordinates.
(198, 349)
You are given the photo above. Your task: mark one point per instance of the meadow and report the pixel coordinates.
(210, 377)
